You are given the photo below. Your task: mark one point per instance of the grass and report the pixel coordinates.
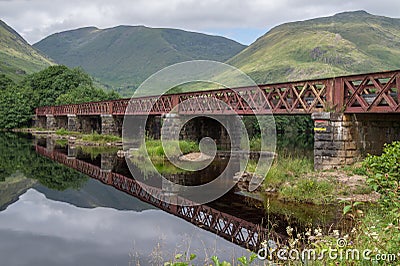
(285, 168)
(94, 137)
(17, 56)
(321, 47)
(156, 154)
(309, 190)
(155, 148)
(289, 176)
(101, 138)
(64, 132)
(293, 179)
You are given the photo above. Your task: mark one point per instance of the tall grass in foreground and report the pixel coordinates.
(284, 168)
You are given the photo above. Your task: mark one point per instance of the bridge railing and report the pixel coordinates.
(373, 92)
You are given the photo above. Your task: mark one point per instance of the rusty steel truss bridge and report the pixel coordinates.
(363, 93)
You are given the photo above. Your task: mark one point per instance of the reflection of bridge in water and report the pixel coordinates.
(241, 232)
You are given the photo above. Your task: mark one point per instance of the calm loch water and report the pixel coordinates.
(53, 215)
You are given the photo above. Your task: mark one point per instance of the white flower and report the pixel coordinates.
(336, 233)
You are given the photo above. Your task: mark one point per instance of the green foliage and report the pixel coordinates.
(15, 108)
(124, 56)
(63, 132)
(47, 85)
(181, 260)
(54, 85)
(218, 263)
(348, 208)
(384, 175)
(5, 82)
(245, 261)
(288, 124)
(16, 154)
(85, 93)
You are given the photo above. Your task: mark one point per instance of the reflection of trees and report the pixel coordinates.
(295, 141)
(17, 154)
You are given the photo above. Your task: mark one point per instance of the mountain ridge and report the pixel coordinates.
(17, 57)
(346, 43)
(124, 56)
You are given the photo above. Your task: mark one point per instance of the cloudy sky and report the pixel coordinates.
(240, 20)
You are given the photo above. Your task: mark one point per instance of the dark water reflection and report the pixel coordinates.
(53, 215)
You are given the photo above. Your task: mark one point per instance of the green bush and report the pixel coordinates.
(384, 175)
(53, 85)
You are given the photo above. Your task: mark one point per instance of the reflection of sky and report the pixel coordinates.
(39, 231)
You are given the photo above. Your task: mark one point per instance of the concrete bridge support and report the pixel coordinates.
(342, 139)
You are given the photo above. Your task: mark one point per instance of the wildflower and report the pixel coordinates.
(289, 230)
(374, 235)
(336, 233)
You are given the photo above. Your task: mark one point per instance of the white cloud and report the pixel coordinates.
(37, 19)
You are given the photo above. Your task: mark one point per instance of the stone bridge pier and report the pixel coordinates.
(342, 139)
(102, 124)
(197, 127)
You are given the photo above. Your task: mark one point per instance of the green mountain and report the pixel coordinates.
(346, 43)
(17, 57)
(125, 56)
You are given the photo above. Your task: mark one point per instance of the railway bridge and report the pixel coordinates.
(353, 115)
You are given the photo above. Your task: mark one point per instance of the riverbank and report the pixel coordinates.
(76, 138)
(294, 180)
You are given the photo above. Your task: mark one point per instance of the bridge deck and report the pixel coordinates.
(364, 93)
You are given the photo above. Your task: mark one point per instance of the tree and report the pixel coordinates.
(15, 108)
(47, 85)
(53, 85)
(85, 93)
(5, 82)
